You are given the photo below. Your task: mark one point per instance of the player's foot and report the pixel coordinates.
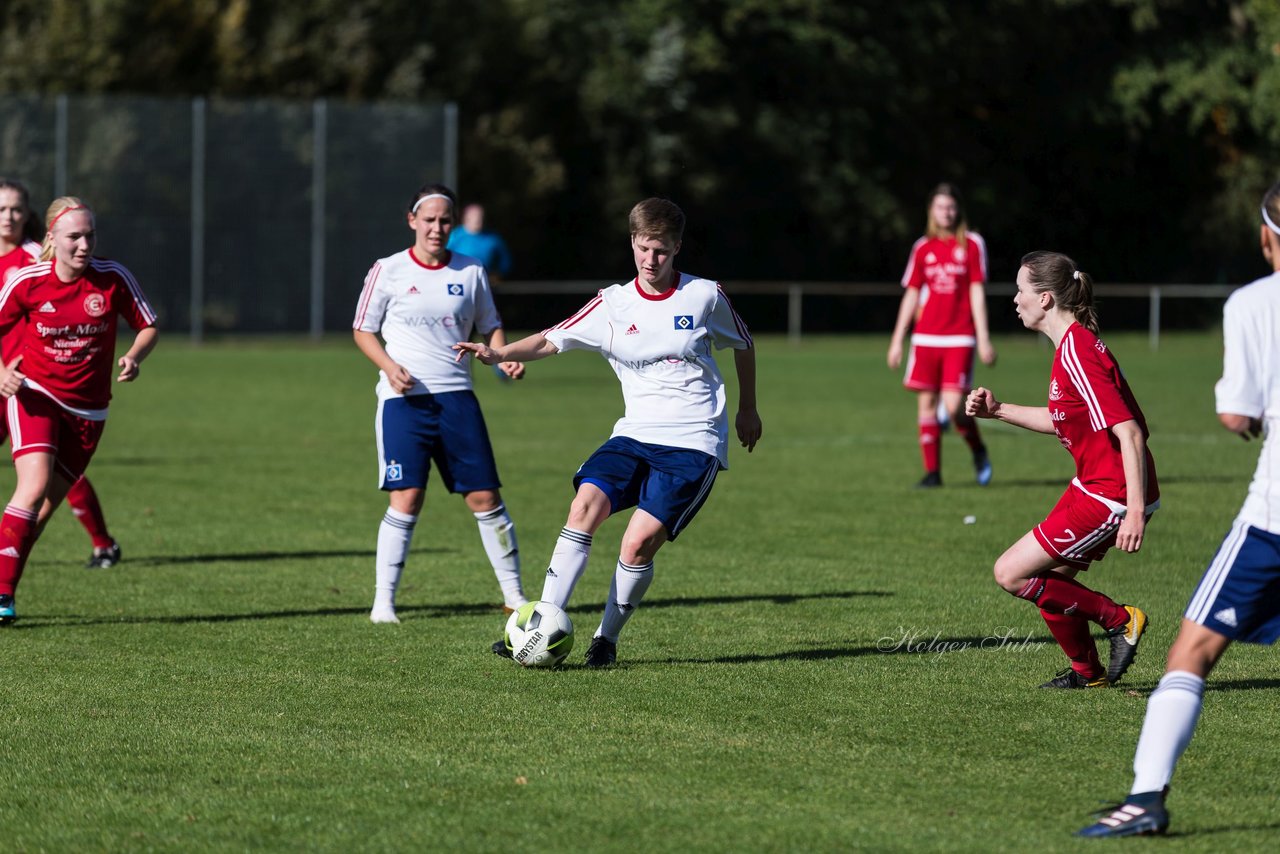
(7, 612)
(1124, 642)
(930, 480)
(602, 652)
(501, 648)
(1070, 679)
(982, 467)
(383, 614)
(104, 558)
(1140, 815)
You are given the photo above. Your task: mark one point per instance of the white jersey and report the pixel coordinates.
(1250, 385)
(422, 311)
(660, 348)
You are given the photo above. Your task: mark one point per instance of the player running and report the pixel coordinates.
(657, 332)
(1238, 598)
(944, 296)
(1097, 420)
(20, 247)
(422, 300)
(58, 386)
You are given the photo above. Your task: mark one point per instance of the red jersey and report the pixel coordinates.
(66, 331)
(947, 269)
(10, 263)
(1087, 396)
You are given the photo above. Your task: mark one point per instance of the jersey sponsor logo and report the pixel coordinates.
(684, 321)
(95, 305)
(454, 289)
(642, 364)
(1069, 538)
(394, 471)
(422, 321)
(1055, 391)
(48, 308)
(632, 330)
(1057, 415)
(1227, 616)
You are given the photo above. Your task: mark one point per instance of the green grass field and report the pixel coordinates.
(222, 689)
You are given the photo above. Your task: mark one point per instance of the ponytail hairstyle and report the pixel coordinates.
(1072, 289)
(961, 229)
(1270, 208)
(30, 228)
(59, 206)
(427, 191)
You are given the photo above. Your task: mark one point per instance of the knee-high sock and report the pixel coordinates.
(394, 535)
(1172, 712)
(498, 533)
(968, 430)
(568, 562)
(625, 594)
(85, 507)
(17, 536)
(1072, 634)
(1058, 594)
(930, 444)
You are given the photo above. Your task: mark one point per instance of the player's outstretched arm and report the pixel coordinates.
(131, 362)
(1133, 455)
(529, 349)
(747, 423)
(512, 370)
(982, 403)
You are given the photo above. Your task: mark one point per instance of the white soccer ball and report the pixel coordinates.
(539, 634)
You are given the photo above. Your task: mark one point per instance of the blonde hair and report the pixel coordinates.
(960, 231)
(57, 208)
(1072, 288)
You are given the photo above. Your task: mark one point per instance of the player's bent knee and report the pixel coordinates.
(1007, 575)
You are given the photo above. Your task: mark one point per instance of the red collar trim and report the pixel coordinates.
(448, 256)
(675, 276)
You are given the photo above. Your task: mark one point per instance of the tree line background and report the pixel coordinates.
(801, 136)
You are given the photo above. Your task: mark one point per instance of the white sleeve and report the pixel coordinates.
(585, 329)
(487, 317)
(725, 326)
(372, 307)
(1237, 392)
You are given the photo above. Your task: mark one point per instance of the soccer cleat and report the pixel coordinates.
(104, 558)
(982, 468)
(384, 615)
(1140, 815)
(602, 652)
(500, 648)
(7, 612)
(1070, 679)
(1124, 642)
(930, 480)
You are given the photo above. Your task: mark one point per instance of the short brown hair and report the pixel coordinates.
(657, 218)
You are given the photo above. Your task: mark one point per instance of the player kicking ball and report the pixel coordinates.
(657, 332)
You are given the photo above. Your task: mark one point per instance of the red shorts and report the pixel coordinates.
(1079, 530)
(39, 426)
(937, 368)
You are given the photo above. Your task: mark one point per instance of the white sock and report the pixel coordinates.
(1172, 711)
(394, 535)
(568, 562)
(625, 593)
(498, 533)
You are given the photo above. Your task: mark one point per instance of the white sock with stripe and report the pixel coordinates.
(498, 533)
(630, 582)
(394, 535)
(568, 562)
(1172, 712)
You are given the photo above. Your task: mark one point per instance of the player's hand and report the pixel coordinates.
(11, 379)
(749, 428)
(1129, 537)
(514, 370)
(400, 379)
(1252, 431)
(483, 352)
(986, 353)
(895, 355)
(129, 369)
(981, 403)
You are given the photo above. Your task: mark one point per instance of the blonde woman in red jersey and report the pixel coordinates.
(57, 387)
(1096, 418)
(949, 323)
(20, 247)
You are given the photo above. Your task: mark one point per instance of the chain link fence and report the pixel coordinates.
(236, 216)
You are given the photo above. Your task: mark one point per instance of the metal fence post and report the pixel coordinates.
(197, 218)
(1154, 322)
(795, 308)
(451, 146)
(60, 145)
(320, 121)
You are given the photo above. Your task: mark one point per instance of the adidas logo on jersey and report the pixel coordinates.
(632, 330)
(1227, 616)
(48, 308)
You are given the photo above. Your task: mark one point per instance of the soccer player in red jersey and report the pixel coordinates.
(1096, 418)
(20, 247)
(945, 298)
(57, 387)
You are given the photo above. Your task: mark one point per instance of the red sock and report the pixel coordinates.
(1058, 594)
(968, 430)
(1072, 634)
(930, 433)
(17, 533)
(85, 506)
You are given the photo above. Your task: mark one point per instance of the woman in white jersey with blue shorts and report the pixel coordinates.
(421, 301)
(657, 331)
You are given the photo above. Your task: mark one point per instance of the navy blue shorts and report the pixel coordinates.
(670, 484)
(448, 429)
(1239, 595)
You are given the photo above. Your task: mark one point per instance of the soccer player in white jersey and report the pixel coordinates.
(421, 301)
(1238, 599)
(1096, 418)
(657, 331)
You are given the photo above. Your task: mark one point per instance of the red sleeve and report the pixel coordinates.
(131, 302)
(977, 258)
(913, 277)
(1096, 375)
(12, 305)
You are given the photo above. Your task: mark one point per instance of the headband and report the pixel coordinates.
(1267, 219)
(418, 203)
(64, 212)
